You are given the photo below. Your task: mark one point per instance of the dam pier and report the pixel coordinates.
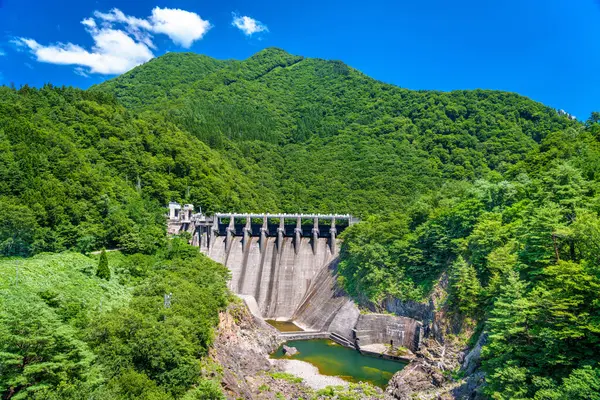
(284, 266)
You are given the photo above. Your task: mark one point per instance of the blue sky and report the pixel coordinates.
(548, 50)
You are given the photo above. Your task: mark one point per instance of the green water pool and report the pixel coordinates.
(335, 360)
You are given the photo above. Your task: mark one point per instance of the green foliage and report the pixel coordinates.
(286, 377)
(497, 190)
(78, 171)
(317, 135)
(36, 349)
(206, 390)
(45, 301)
(66, 333)
(465, 289)
(18, 229)
(132, 385)
(103, 270)
(286, 133)
(354, 391)
(164, 341)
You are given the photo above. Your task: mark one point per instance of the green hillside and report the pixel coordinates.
(78, 171)
(489, 191)
(328, 138)
(67, 334)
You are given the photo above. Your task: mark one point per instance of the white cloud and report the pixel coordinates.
(81, 72)
(114, 52)
(18, 44)
(89, 22)
(2, 53)
(183, 27)
(116, 15)
(136, 27)
(118, 50)
(248, 25)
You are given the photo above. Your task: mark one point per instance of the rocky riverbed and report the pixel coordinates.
(241, 350)
(309, 374)
(244, 342)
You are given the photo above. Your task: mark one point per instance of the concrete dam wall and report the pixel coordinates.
(286, 267)
(277, 276)
(274, 263)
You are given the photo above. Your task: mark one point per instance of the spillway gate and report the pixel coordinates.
(280, 226)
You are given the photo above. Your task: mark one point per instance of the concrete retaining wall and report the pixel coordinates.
(382, 328)
(304, 335)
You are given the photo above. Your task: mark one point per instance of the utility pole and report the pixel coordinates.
(167, 302)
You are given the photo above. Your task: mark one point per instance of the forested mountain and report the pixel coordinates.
(328, 138)
(79, 171)
(489, 189)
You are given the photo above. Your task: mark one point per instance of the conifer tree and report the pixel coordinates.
(465, 288)
(508, 342)
(103, 269)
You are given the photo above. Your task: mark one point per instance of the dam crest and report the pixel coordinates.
(285, 267)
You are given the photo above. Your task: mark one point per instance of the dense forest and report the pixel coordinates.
(492, 190)
(69, 332)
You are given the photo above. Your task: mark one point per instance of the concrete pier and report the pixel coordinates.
(264, 233)
(332, 234)
(315, 234)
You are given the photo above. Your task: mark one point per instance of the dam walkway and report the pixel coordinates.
(306, 335)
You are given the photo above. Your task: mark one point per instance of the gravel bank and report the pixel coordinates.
(309, 373)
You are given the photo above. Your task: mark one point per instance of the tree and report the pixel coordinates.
(17, 229)
(103, 271)
(594, 118)
(582, 383)
(487, 235)
(36, 349)
(541, 245)
(565, 186)
(509, 341)
(465, 288)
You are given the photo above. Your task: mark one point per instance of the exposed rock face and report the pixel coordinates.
(471, 387)
(472, 359)
(410, 309)
(427, 376)
(242, 348)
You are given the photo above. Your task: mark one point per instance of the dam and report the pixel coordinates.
(284, 266)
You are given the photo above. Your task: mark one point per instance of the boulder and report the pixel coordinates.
(289, 351)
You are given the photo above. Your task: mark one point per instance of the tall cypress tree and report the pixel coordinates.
(465, 288)
(103, 270)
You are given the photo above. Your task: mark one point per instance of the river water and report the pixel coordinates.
(335, 360)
